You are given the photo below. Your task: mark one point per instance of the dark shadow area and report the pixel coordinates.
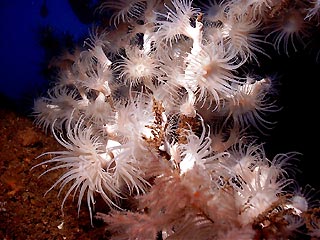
(297, 123)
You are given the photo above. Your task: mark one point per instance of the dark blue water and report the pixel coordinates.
(24, 25)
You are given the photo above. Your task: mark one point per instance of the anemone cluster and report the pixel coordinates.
(161, 106)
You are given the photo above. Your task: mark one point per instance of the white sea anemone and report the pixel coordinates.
(197, 151)
(211, 72)
(257, 181)
(86, 160)
(176, 22)
(123, 10)
(138, 67)
(288, 30)
(251, 103)
(56, 107)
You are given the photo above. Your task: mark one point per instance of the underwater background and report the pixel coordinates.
(32, 32)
